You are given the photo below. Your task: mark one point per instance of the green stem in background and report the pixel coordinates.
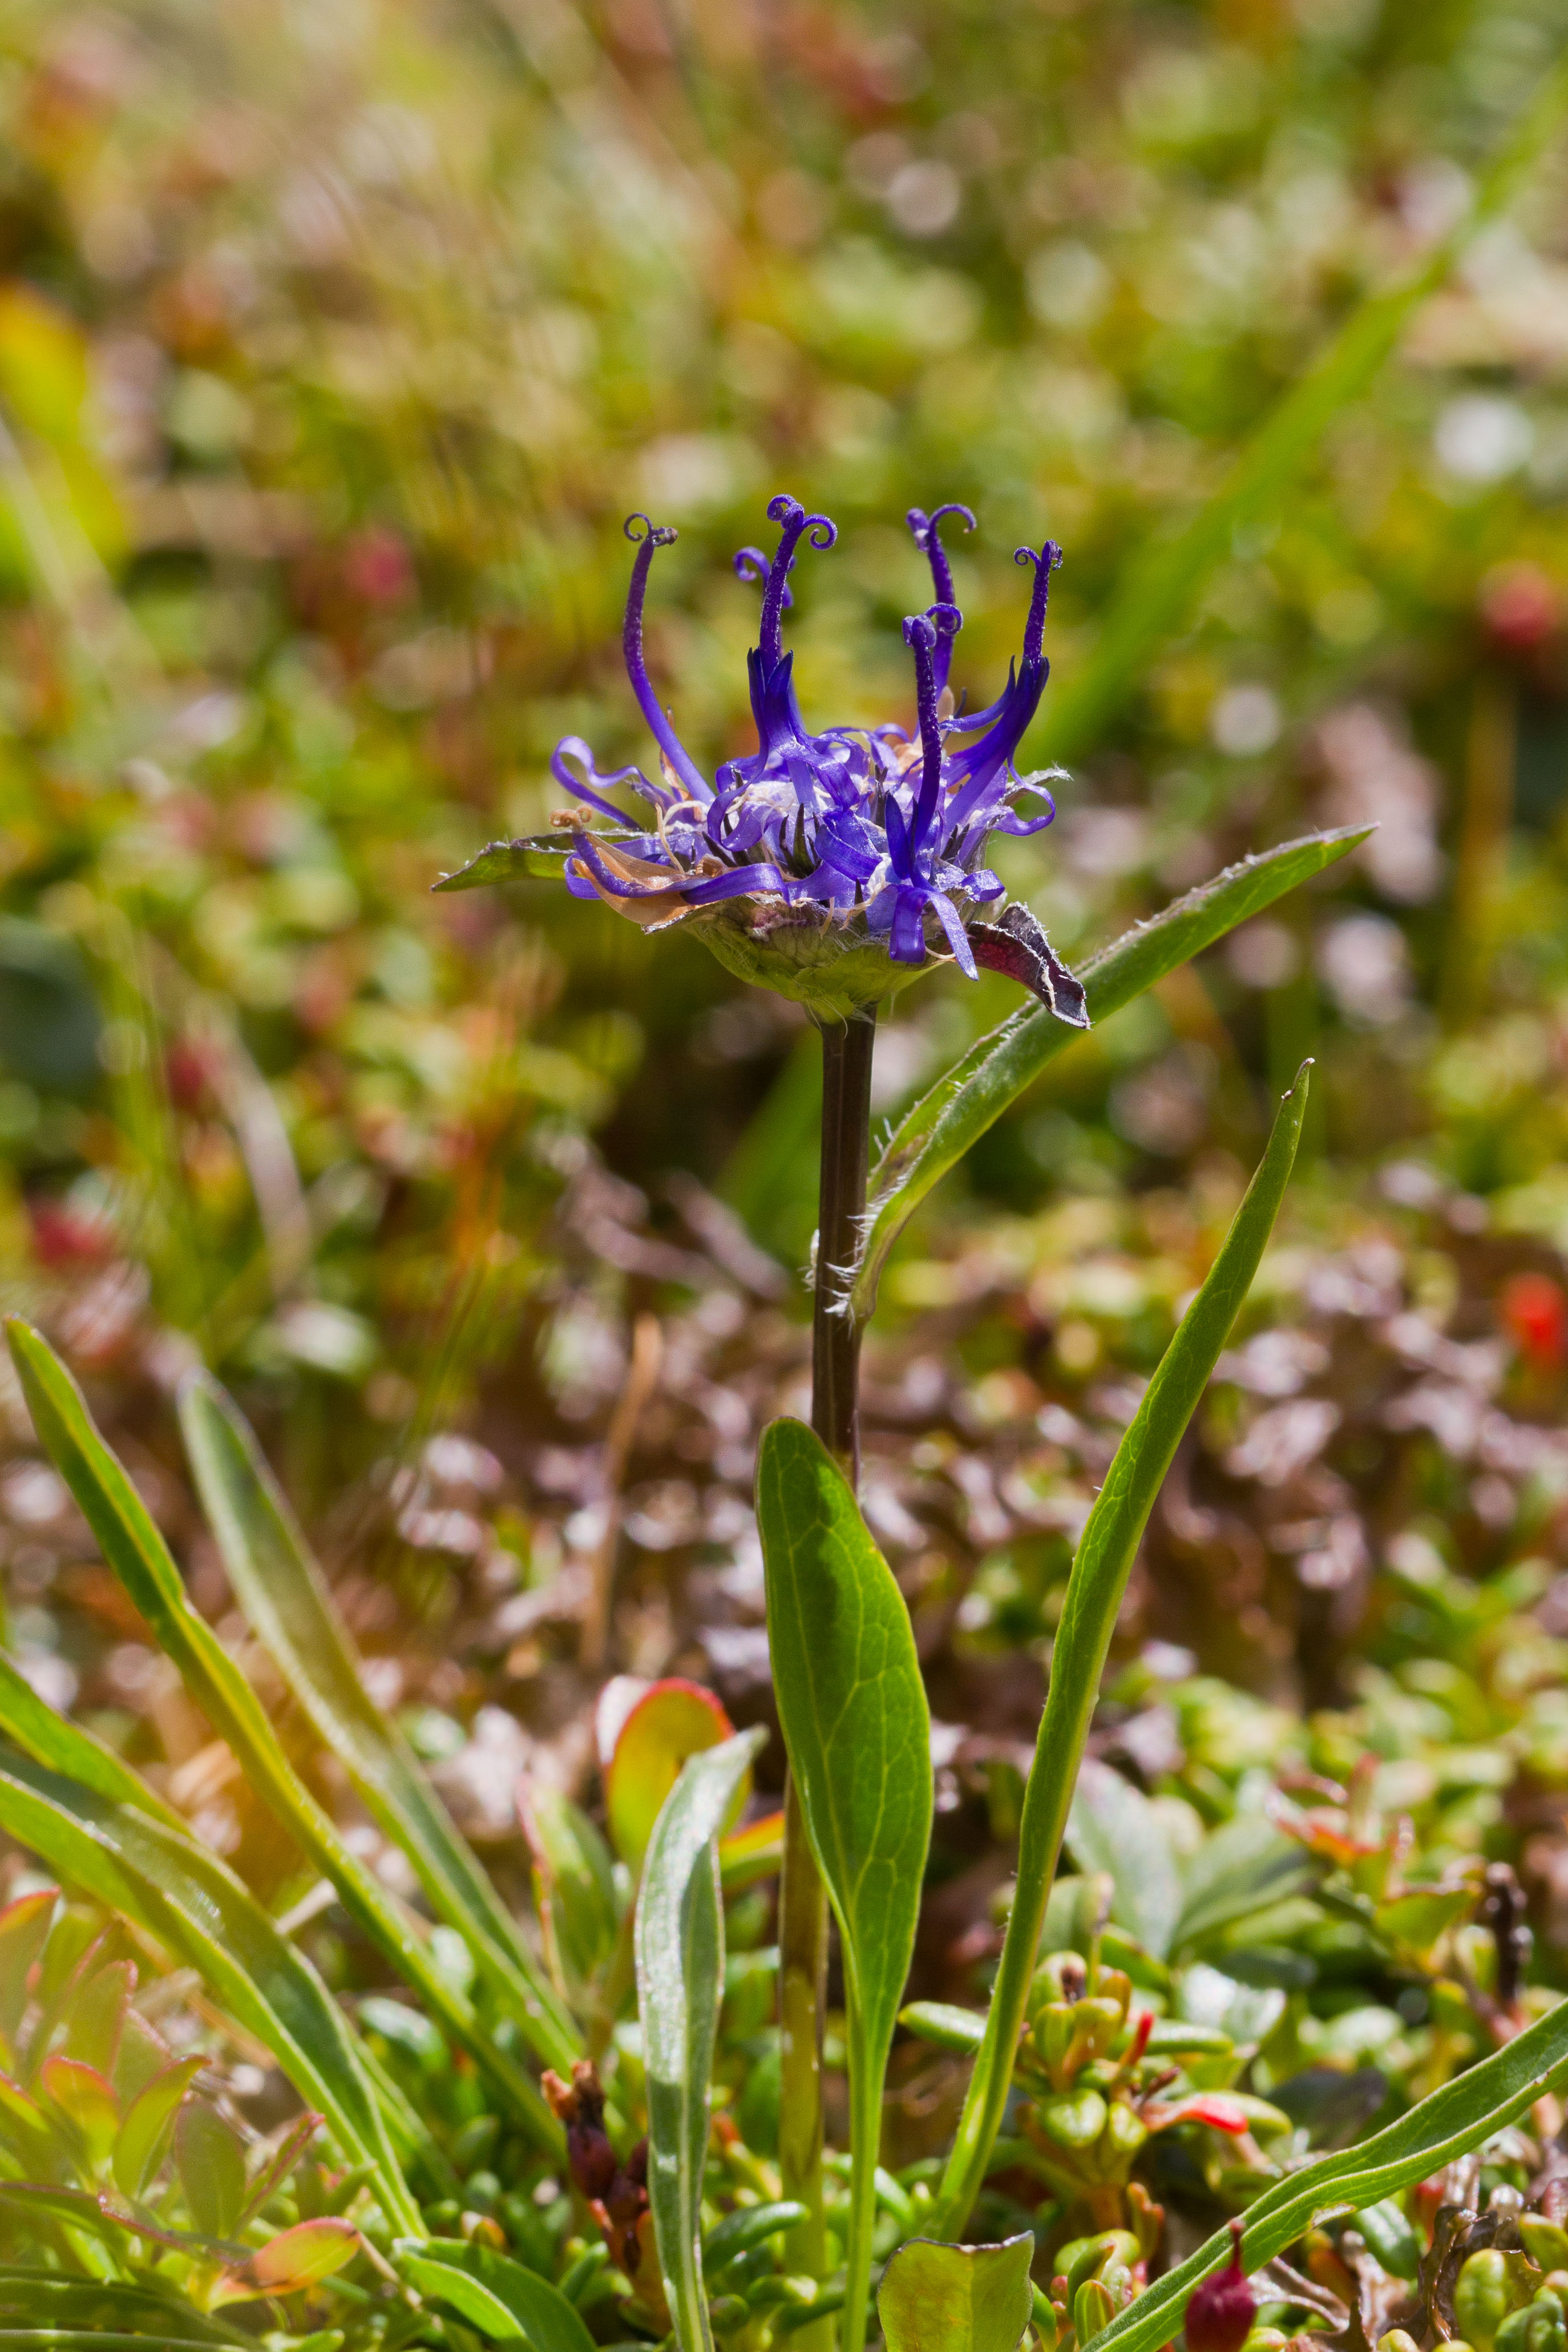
(1094, 1595)
(846, 1050)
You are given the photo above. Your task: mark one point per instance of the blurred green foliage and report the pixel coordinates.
(334, 344)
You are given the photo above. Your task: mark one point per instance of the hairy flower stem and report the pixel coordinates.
(835, 1386)
(841, 1206)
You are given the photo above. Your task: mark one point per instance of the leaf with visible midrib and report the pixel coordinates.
(680, 1979)
(286, 1603)
(953, 1115)
(853, 1709)
(937, 2298)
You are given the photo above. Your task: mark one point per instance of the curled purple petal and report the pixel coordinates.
(751, 564)
(818, 532)
(572, 748)
(928, 539)
(921, 635)
(651, 536)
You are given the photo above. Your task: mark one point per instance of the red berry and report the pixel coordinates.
(1534, 1313)
(1221, 2311)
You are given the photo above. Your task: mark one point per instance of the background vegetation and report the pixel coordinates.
(335, 344)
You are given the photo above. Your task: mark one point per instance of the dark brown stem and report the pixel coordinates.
(834, 1417)
(841, 1205)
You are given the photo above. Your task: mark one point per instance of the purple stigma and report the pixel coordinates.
(751, 564)
(1045, 563)
(928, 539)
(923, 632)
(652, 535)
(795, 521)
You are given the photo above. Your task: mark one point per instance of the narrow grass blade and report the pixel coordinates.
(1162, 588)
(47, 2300)
(953, 1115)
(1095, 1590)
(1453, 2121)
(194, 1906)
(110, 2339)
(853, 1709)
(138, 1557)
(289, 1607)
(680, 1983)
(32, 1725)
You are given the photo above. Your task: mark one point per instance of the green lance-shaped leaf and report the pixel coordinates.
(680, 1983)
(749, 2226)
(138, 1557)
(143, 2138)
(1094, 1593)
(853, 1709)
(505, 2301)
(953, 1115)
(1460, 2117)
(64, 2310)
(936, 2298)
(32, 1725)
(289, 1607)
(196, 1909)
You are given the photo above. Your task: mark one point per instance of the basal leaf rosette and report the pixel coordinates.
(832, 866)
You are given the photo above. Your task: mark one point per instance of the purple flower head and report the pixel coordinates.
(831, 866)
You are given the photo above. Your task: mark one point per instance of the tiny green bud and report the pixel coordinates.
(1390, 2237)
(1092, 2309)
(1075, 2120)
(1396, 2340)
(1096, 2023)
(1483, 2297)
(1084, 2258)
(726, 2312)
(1126, 2130)
(1537, 2327)
(1053, 2033)
(1544, 2241)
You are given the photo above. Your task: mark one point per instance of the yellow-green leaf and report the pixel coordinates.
(673, 1720)
(149, 2126)
(937, 2298)
(296, 2258)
